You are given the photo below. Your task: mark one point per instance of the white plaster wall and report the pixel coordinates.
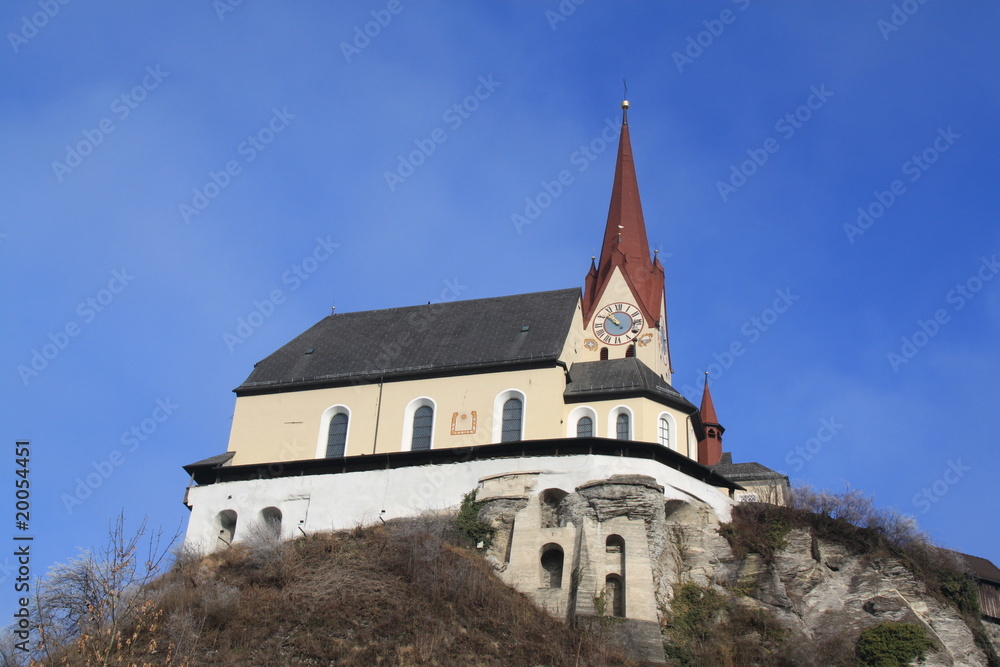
(333, 502)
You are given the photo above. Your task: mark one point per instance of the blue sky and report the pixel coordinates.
(169, 169)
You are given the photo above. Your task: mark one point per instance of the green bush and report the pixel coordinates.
(892, 644)
(468, 522)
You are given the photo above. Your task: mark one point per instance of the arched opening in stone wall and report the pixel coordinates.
(225, 526)
(615, 547)
(614, 596)
(552, 566)
(549, 500)
(270, 517)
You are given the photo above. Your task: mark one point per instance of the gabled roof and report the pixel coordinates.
(618, 378)
(745, 472)
(437, 338)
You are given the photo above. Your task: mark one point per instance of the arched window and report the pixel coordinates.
(512, 411)
(623, 429)
(336, 440)
(630, 351)
(666, 435)
(581, 422)
(509, 416)
(225, 524)
(615, 596)
(423, 423)
(334, 430)
(270, 517)
(604, 353)
(418, 425)
(552, 566)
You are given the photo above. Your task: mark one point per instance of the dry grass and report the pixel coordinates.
(398, 594)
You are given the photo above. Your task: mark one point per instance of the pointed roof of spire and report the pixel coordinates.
(625, 243)
(626, 229)
(707, 407)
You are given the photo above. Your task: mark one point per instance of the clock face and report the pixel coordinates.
(618, 323)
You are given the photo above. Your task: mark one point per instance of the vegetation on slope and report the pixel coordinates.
(404, 593)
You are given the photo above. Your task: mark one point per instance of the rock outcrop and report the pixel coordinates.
(821, 594)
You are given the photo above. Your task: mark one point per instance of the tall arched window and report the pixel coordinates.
(630, 351)
(336, 440)
(604, 353)
(509, 412)
(512, 411)
(664, 430)
(623, 429)
(423, 422)
(333, 432)
(585, 427)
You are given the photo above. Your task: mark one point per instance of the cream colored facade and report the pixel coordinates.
(293, 425)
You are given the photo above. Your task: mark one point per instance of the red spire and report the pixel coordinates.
(709, 447)
(707, 407)
(625, 242)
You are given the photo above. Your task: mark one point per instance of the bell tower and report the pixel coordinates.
(624, 306)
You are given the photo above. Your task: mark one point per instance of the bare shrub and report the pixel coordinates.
(98, 602)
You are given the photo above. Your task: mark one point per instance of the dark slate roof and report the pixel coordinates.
(420, 340)
(745, 471)
(620, 377)
(222, 459)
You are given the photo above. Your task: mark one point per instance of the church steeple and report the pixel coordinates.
(710, 447)
(626, 246)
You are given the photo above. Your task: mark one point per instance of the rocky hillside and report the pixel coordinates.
(783, 586)
(777, 586)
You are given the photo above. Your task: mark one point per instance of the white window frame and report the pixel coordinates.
(575, 415)
(498, 402)
(672, 426)
(613, 421)
(324, 429)
(411, 409)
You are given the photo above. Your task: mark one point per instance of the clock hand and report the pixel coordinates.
(614, 319)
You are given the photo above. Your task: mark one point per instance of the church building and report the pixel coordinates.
(556, 407)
